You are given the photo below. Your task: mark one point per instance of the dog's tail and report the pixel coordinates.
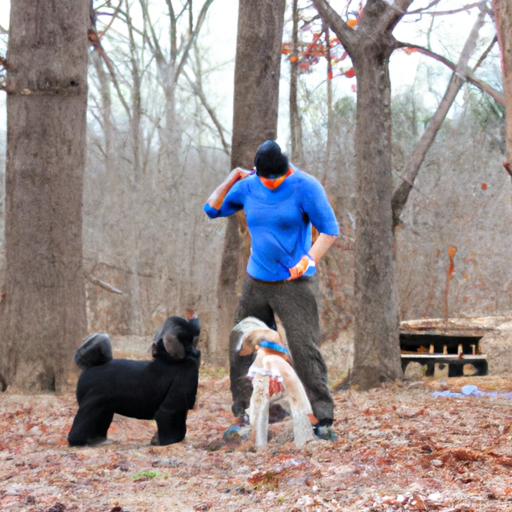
(94, 351)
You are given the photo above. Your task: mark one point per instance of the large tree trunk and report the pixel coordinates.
(376, 335)
(377, 350)
(503, 14)
(44, 318)
(257, 71)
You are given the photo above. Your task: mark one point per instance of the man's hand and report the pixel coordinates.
(237, 174)
(319, 248)
(299, 269)
(218, 195)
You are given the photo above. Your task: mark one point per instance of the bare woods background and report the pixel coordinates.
(149, 250)
(156, 150)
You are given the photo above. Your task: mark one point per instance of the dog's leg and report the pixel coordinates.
(103, 425)
(258, 409)
(90, 425)
(171, 415)
(297, 398)
(172, 427)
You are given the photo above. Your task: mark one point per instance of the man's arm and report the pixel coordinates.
(321, 215)
(219, 194)
(318, 249)
(321, 245)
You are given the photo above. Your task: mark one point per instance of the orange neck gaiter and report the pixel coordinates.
(273, 184)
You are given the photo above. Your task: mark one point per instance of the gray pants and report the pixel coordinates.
(294, 302)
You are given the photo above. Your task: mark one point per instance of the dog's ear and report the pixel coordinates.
(158, 334)
(248, 343)
(255, 337)
(246, 350)
(173, 346)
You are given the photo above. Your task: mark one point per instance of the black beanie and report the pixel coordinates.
(270, 162)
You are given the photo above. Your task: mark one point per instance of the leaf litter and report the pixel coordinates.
(397, 448)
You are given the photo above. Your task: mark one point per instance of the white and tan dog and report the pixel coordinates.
(273, 377)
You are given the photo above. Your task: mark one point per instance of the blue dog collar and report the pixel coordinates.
(274, 346)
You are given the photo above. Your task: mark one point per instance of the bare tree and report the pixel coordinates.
(44, 317)
(460, 73)
(376, 334)
(257, 71)
(503, 15)
(377, 350)
(295, 121)
(142, 160)
(171, 62)
(461, 197)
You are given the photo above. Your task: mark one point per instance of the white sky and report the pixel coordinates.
(219, 37)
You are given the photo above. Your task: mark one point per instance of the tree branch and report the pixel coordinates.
(172, 30)
(468, 76)
(346, 35)
(200, 20)
(453, 11)
(460, 72)
(422, 10)
(114, 16)
(153, 42)
(486, 52)
(113, 76)
(391, 15)
(198, 91)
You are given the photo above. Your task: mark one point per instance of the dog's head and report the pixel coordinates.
(252, 332)
(177, 339)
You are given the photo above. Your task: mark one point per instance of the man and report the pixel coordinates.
(281, 203)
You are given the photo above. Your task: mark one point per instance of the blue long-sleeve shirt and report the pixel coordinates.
(279, 221)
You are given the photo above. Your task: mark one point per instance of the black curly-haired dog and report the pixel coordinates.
(163, 389)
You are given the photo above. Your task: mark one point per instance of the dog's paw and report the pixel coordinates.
(155, 441)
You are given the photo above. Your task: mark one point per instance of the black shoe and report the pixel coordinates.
(239, 431)
(325, 433)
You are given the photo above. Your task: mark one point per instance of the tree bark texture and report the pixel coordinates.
(376, 335)
(503, 16)
(256, 98)
(44, 318)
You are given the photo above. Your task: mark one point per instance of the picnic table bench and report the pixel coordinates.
(443, 343)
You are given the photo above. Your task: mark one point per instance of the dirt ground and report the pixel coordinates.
(396, 448)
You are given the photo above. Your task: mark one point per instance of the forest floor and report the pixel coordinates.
(397, 448)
